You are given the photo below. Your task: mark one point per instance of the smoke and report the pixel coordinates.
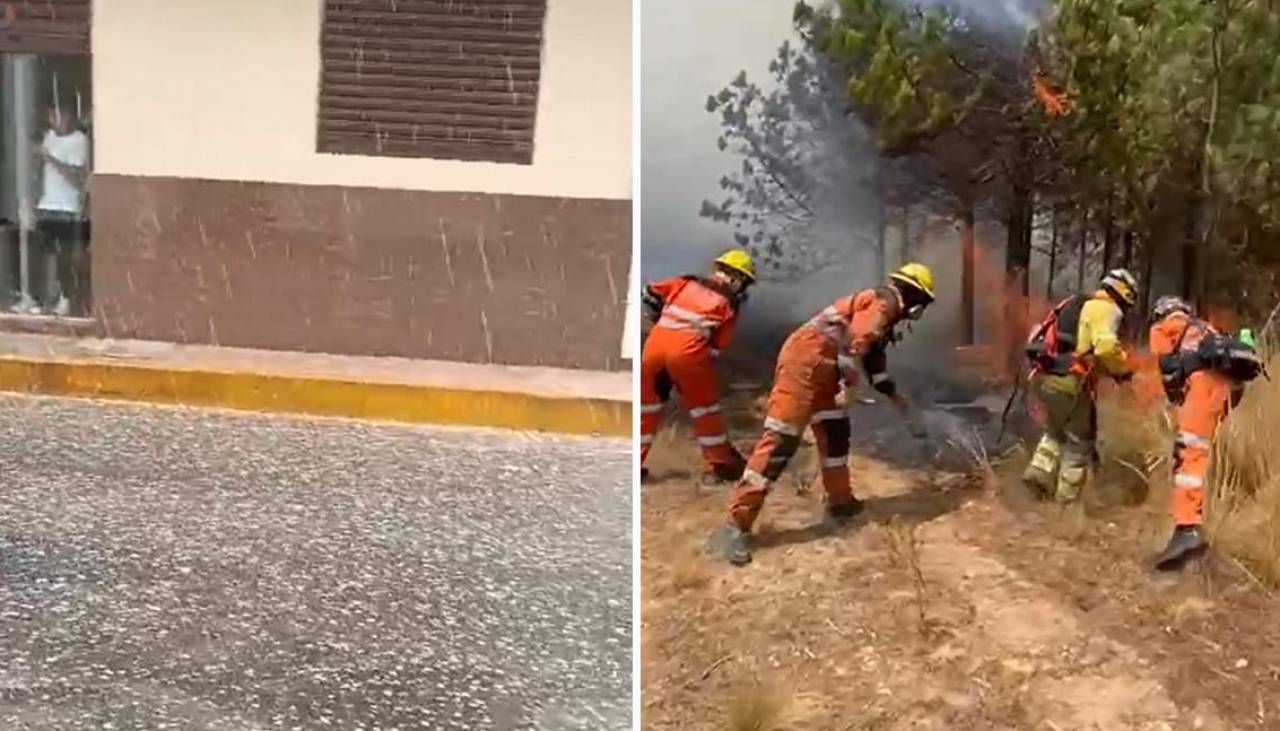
(1000, 16)
(684, 61)
(688, 51)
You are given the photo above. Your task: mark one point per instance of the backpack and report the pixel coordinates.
(1232, 357)
(1052, 346)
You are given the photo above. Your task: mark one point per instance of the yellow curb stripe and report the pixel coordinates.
(318, 396)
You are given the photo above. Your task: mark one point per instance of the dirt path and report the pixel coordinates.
(944, 609)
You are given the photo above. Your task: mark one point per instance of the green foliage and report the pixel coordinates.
(1165, 89)
(900, 67)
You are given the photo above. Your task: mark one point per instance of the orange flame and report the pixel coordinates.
(1006, 318)
(1056, 103)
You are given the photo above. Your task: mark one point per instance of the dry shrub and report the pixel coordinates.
(1243, 513)
(905, 552)
(1135, 441)
(756, 709)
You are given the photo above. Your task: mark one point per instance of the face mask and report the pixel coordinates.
(915, 312)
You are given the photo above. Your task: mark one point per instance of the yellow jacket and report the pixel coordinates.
(1098, 337)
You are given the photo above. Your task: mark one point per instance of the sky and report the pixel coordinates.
(689, 50)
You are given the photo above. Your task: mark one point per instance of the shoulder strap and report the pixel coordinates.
(1177, 347)
(720, 288)
(1067, 322)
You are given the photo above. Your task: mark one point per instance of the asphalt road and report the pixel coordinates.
(188, 569)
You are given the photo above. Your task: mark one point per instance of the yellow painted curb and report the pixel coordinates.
(318, 396)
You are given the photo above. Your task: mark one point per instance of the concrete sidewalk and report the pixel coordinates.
(391, 389)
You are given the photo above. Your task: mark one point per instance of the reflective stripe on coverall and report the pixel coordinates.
(696, 322)
(806, 385)
(1205, 400)
(1060, 463)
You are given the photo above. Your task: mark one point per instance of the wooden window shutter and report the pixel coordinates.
(44, 26)
(449, 79)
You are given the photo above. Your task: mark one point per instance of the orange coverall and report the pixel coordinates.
(806, 385)
(1205, 401)
(696, 323)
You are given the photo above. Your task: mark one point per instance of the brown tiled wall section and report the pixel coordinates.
(455, 276)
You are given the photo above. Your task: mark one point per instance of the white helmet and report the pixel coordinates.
(1169, 304)
(1121, 284)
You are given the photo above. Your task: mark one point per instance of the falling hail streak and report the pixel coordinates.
(226, 281)
(448, 260)
(488, 336)
(511, 83)
(613, 286)
(484, 258)
(253, 250)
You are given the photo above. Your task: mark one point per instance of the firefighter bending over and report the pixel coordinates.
(695, 319)
(1203, 372)
(1076, 342)
(813, 362)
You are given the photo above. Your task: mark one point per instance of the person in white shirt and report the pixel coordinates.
(60, 218)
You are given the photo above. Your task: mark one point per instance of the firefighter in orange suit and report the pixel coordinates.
(695, 320)
(1202, 395)
(814, 361)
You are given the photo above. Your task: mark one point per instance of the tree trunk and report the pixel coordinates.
(1053, 257)
(1017, 260)
(1028, 230)
(1208, 208)
(1128, 249)
(1082, 230)
(1148, 273)
(1205, 256)
(1189, 241)
(1108, 237)
(968, 248)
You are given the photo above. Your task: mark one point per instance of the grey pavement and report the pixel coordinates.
(189, 569)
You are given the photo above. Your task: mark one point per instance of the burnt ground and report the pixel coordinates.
(956, 603)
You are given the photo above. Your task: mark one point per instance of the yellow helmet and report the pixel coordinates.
(917, 275)
(738, 260)
(1123, 285)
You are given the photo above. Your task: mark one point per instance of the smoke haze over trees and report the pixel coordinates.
(1159, 156)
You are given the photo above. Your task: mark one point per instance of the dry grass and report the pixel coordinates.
(901, 538)
(755, 709)
(1243, 495)
(1135, 444)
(1243, 512)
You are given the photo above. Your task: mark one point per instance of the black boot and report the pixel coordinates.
(725, 473)
(732, 470)
(730, 543)
(1186, 543)
(844, 512)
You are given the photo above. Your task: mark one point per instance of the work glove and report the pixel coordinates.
(652, 305)
(848, 370)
